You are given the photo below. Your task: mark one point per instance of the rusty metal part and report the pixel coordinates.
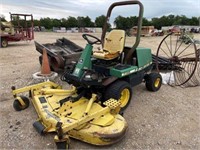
(57, 62)
(24, 27)
(139, 25)
(19, 28)
(180, 59)
(61, 53)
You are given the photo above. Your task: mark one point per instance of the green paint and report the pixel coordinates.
(121, 73)
(144, 56)
(84, 61)
(144, 59)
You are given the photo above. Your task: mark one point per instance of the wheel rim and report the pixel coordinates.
(177, 59)
(125, 95)
(4, 43)
(157, 82)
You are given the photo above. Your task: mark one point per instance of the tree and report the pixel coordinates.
(121, 23)
(46, 22)
(128, 22)
(36, 22)
(85, 22)
(56, 23)
(2, 18)
(64, 22)
(145, 22)
(99, 21)
(195, 21)
(81, 22)
(156, 23)
(72, 22)
(88, 22)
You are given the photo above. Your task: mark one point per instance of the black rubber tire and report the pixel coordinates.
(151, 80)
(18, 107)
(4, 42)
(114, 91)
(62, 145)
(39, 127)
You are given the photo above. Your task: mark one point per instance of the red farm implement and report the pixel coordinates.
(20, 28)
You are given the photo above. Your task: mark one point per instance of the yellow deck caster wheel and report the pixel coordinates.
(20, 103)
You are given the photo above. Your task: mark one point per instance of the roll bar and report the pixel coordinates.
(139, 24)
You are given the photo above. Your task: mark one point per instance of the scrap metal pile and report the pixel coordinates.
(178, 57)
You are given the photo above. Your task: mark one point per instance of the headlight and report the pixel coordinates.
(88, 76)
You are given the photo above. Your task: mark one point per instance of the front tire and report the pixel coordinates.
(121, 91)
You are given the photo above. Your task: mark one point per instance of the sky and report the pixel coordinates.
(94, 8)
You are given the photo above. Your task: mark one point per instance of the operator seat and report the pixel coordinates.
(113, 45)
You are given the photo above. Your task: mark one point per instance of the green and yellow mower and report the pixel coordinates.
(102, 82)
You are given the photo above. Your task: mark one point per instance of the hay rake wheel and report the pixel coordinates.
(181, 59)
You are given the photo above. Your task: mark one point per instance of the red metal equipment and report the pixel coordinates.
(20, 28)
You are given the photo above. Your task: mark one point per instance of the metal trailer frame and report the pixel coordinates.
(22, 30)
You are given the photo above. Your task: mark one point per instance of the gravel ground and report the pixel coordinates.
(167, 119)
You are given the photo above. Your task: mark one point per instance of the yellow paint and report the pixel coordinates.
(157, 82)
(125, 96)
(21, 102)
(84, 119)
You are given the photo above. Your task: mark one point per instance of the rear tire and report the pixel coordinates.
(121, 91)
(153, 82)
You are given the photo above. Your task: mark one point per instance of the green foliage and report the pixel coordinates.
(56, 23)
(120, 22)
(46, 22)
(71, 22)
(88, 22)
(2, 18)
(64, 22)
(174, 20)
(36, 22)
(100, 21)
(85, 22)
(80, 21)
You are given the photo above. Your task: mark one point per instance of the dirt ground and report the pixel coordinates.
(167, 119)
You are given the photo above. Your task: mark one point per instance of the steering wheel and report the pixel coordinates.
(97, 40)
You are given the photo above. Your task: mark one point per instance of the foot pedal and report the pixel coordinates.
(112, 103)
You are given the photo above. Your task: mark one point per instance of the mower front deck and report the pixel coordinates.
(84, 119)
